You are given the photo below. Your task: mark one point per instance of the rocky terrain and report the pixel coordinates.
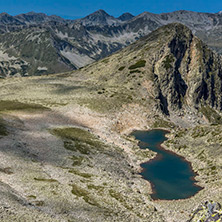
(170, 71)
(66, 153)
(209, 211)
(36, 44)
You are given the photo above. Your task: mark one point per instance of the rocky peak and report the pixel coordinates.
(57, 18)
(100, 13)
(4, 14)
(99, 18)
(5, 18)
(31, 16)
(146, 15)
(187, 73)
(175, 41)
(36, 18)
(125, 16)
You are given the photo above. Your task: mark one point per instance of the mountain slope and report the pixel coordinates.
(35, 48)
(170, 69)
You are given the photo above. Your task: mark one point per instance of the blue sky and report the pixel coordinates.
(81, 8)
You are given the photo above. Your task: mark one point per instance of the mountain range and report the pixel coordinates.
(35, 43)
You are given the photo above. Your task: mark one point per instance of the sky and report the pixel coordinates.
(80, 8)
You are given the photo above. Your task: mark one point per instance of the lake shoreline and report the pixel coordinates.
(160, 156)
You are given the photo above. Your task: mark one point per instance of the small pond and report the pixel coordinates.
(171, 175)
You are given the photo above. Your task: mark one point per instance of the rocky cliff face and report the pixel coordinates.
(186, 72)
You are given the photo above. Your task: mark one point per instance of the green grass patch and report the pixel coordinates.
(162, 123)
(139, 64)
(6, 105)
(32, 196)
(213, 168)
(94, 187)
(109, 102)
(116, 195)
(135, 71)
(45, 180)
(121, 68)
(120, 198)
(80, 192)
(77, 146)
(77, 160)
(167, 62)
(77, 172)
(79, 140)
(200, 132)
(105, 60)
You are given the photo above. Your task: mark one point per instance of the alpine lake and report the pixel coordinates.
(170, 175)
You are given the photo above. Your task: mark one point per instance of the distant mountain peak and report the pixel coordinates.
(32, 13)
(146, 15)
(100, 18)
(125, 16)
(100, 12)
(5, 18)
(37, 18)
(4, 13)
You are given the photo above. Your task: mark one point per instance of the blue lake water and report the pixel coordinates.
(170, 175)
